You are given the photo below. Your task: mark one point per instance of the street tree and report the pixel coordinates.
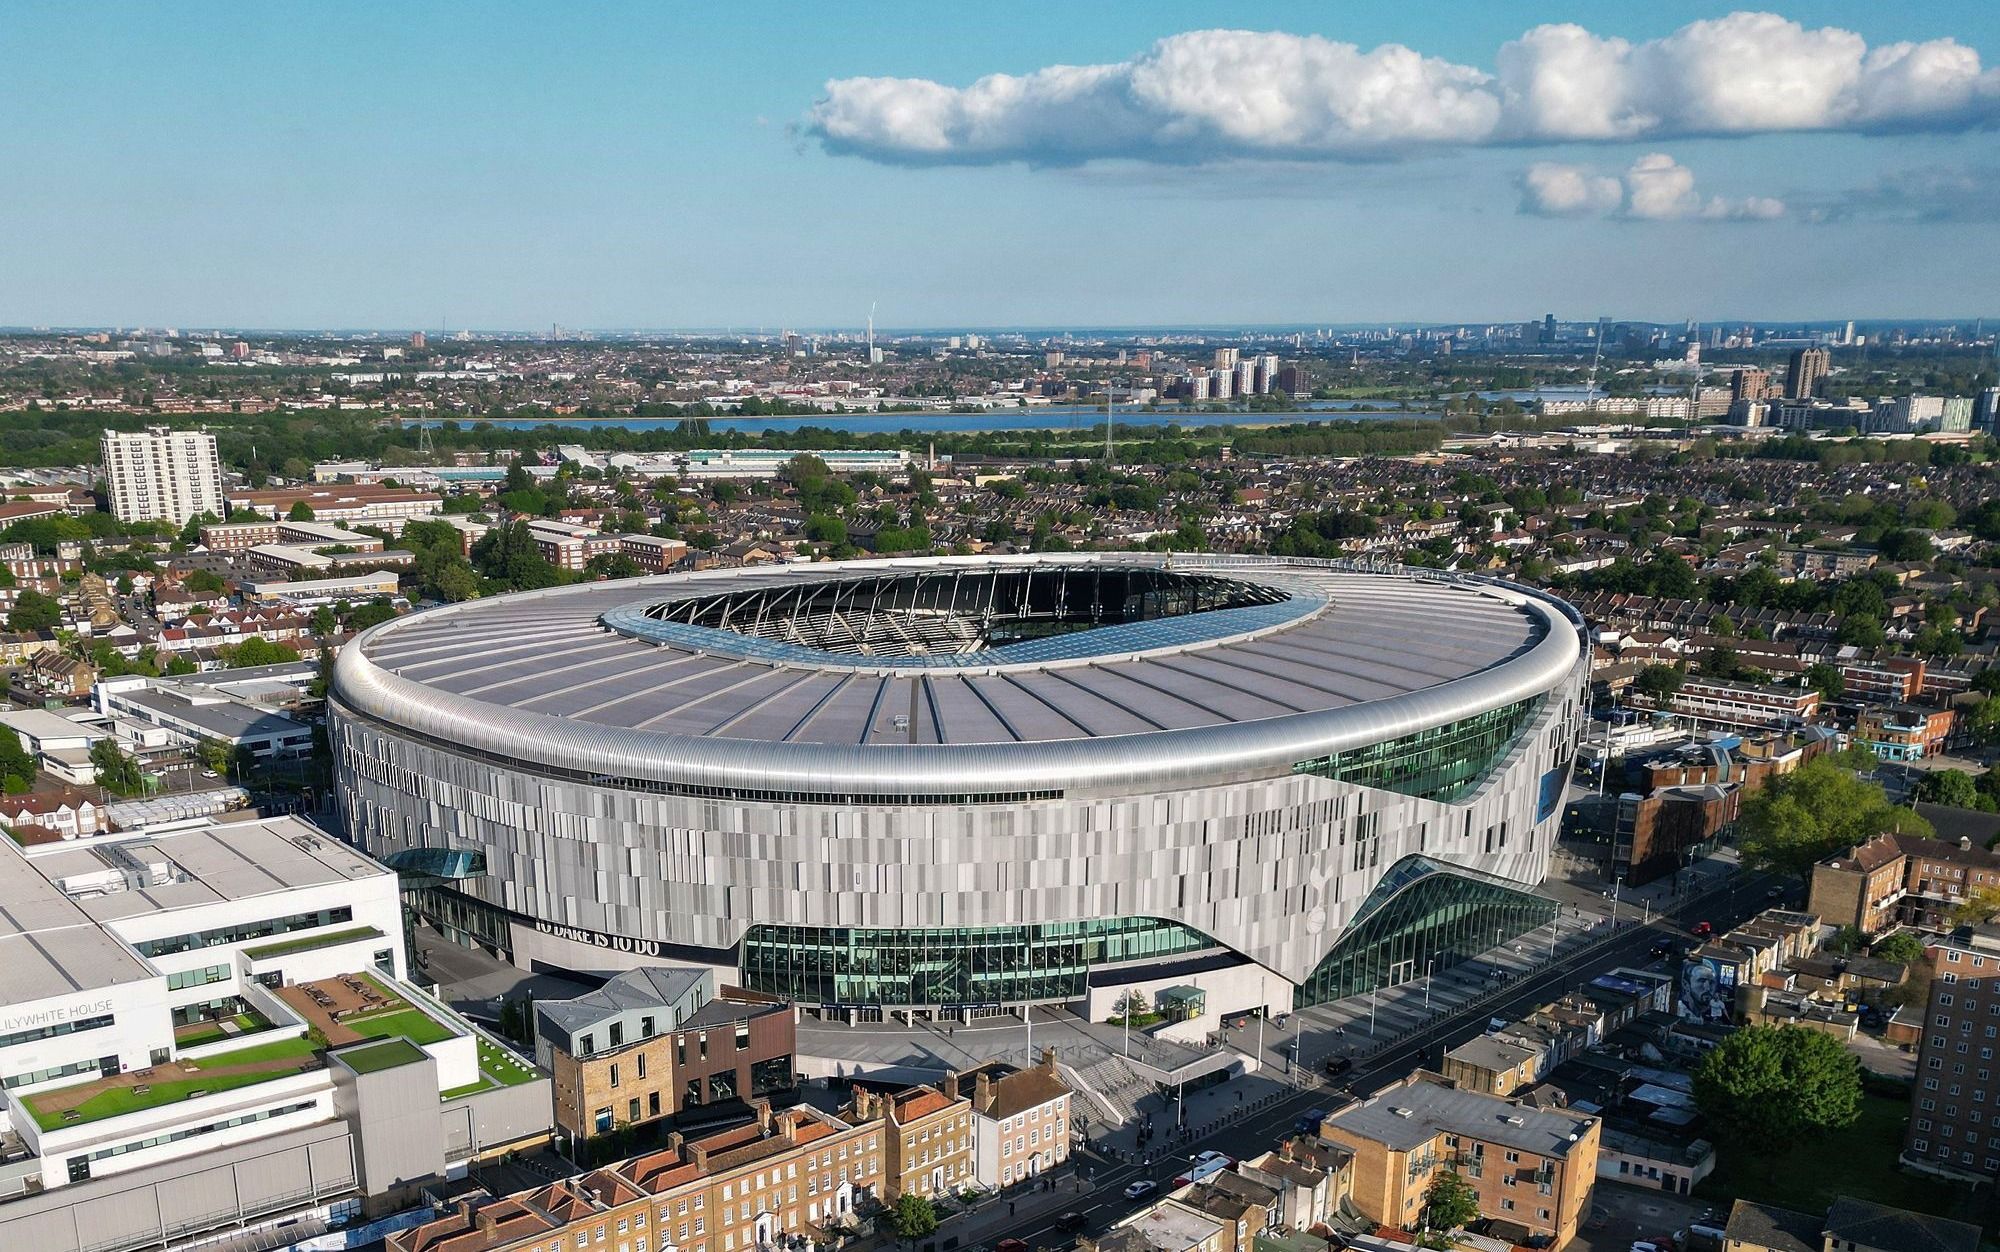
(1450, 1202)
(1766, 1085)
(33, 613)
(1901, 947)
(1952, 788)
(17, 764)
(1811, 813)
(913, 1218)
(1661, 682)
(117, 772)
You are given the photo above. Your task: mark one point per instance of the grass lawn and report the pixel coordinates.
(217, 1073)
(503, 1067)
(246, 1024)
(1859, 1161)
(471, 1088)
(387, 1054)
(497, 1068)
(413, 1024)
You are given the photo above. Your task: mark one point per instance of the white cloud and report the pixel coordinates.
(1233, 93)
(1558, 190)
(1655, 188)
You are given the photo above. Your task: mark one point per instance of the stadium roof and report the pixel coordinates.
(591, 677)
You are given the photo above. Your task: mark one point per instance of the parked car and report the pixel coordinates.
(1704, 930)
(1141, 1189)
(1072, 1220)
(1308, 1123)
(1338, 1065)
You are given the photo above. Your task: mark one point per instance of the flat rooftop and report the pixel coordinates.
(206, 865)
(49, 946)
(223, 718)
(1411, 1115)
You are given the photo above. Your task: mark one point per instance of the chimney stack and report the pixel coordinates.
(982, 1090)
(674, 1142)
(697, 1156)
(1049, 1059)
(763, 1111)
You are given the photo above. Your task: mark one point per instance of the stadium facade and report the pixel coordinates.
(957, 784)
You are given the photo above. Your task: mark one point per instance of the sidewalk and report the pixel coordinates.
(997, 1213)
(1364, 1025)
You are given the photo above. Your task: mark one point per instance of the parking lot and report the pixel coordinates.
(1621, 1216)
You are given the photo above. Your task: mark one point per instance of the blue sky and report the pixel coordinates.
(508, 166)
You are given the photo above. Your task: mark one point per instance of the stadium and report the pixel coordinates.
(948, 786)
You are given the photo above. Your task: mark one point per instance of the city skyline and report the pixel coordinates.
(642, 169)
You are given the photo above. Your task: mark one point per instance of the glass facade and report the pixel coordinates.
(965, 966)
(1423, 917)
(1438, 763)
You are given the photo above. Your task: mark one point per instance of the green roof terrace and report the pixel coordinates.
(143, 1090)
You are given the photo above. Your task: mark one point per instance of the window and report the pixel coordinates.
(743, 1037)
(614, 1073)
(197, 977)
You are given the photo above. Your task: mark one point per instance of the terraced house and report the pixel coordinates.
(791, 1174)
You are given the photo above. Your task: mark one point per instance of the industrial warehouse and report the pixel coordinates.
(952, 786)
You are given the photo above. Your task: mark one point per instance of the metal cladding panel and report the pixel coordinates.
(122, 1220)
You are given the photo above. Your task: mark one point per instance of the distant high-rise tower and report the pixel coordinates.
(1225, 358)
(417, 339)
(1548, 328)
(1802, 375)
(159, 474)
(1750, 383)
(1986, 410)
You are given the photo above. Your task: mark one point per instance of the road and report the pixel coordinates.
(1259, 1129)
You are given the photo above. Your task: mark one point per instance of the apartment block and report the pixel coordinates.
(1905, 880)
(570, 547)
(1528, 1165)
(159, 474)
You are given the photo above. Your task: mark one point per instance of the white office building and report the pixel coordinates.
(159, 474)
(209, 1027)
